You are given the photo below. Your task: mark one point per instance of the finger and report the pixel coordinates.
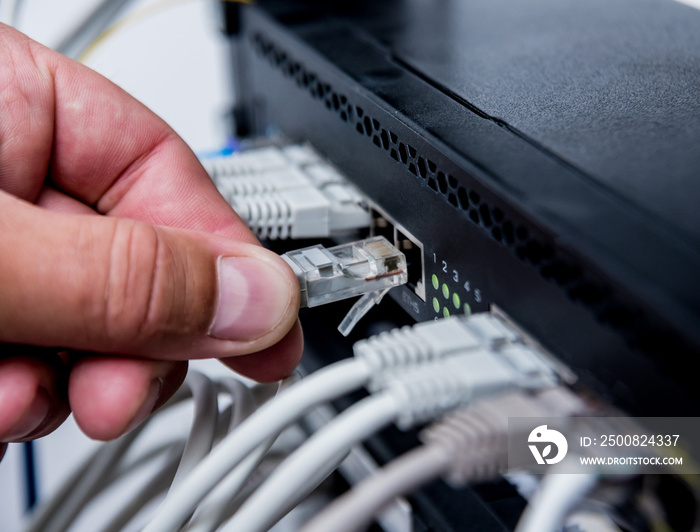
(51, 199)
(275, 362)
(111, 395)
(98, 145)
(33, 399)
(26, 127)
(95, 283)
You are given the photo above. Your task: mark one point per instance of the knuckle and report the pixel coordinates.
(152, 291)
(135, 300)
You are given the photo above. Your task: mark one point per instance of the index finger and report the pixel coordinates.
(99, 145)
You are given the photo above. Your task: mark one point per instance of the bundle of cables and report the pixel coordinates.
(219, 407)
(474, 370)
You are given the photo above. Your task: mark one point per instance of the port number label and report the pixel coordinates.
(455, 277)
(477, 293)
(455, 273)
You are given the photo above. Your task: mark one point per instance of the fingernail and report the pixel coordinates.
(148, 405)
(253, 299)
(31, 419)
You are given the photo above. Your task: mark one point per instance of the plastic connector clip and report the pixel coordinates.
(331, 274)
(289, 193)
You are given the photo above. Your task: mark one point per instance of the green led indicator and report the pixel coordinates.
(467, 309)
(446, 312)
(436, 304)
(436, 283)
(445, 291)
(456, 301)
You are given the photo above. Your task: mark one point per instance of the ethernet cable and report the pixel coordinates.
(271, 418)
(384, 353)
(212, 511)
(76, 492)
(210, 517)
(288, 193)
(254, 162)
(307, 212)
(107, 464)
(326, 275)
(66, 506)
(204, 422)
(467, 446)
(414, 396)
(245, 163)
(138, 499)
(557, 495)
(376, 360)
(268, 182)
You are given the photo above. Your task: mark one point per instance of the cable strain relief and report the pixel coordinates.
(424, 342)
(393, 349)
(267, 216)
(426, 398)
(476, 438)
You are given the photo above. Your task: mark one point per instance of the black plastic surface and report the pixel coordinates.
(434, 161)
(613, 87)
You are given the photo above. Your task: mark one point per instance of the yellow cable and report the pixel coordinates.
(135, 18)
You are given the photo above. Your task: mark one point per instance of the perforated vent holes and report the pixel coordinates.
(551, 264)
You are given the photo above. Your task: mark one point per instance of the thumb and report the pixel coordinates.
(116, 285)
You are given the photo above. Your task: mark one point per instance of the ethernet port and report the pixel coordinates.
(413, 250)
(381, 226)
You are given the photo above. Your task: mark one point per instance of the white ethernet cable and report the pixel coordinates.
(557, 495)
(375, 357)
(204, 420)
(281, 177)
(254, 161)
(302, 212)
(108, 464)
(467, 446)
(213, 509)
(288, 193)
(138, 499)
(413, 396)
(275, 180)
(197, 445)
(57, 513)
(324, 385)
(257, 161)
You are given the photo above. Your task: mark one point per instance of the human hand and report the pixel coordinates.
(119, 260)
